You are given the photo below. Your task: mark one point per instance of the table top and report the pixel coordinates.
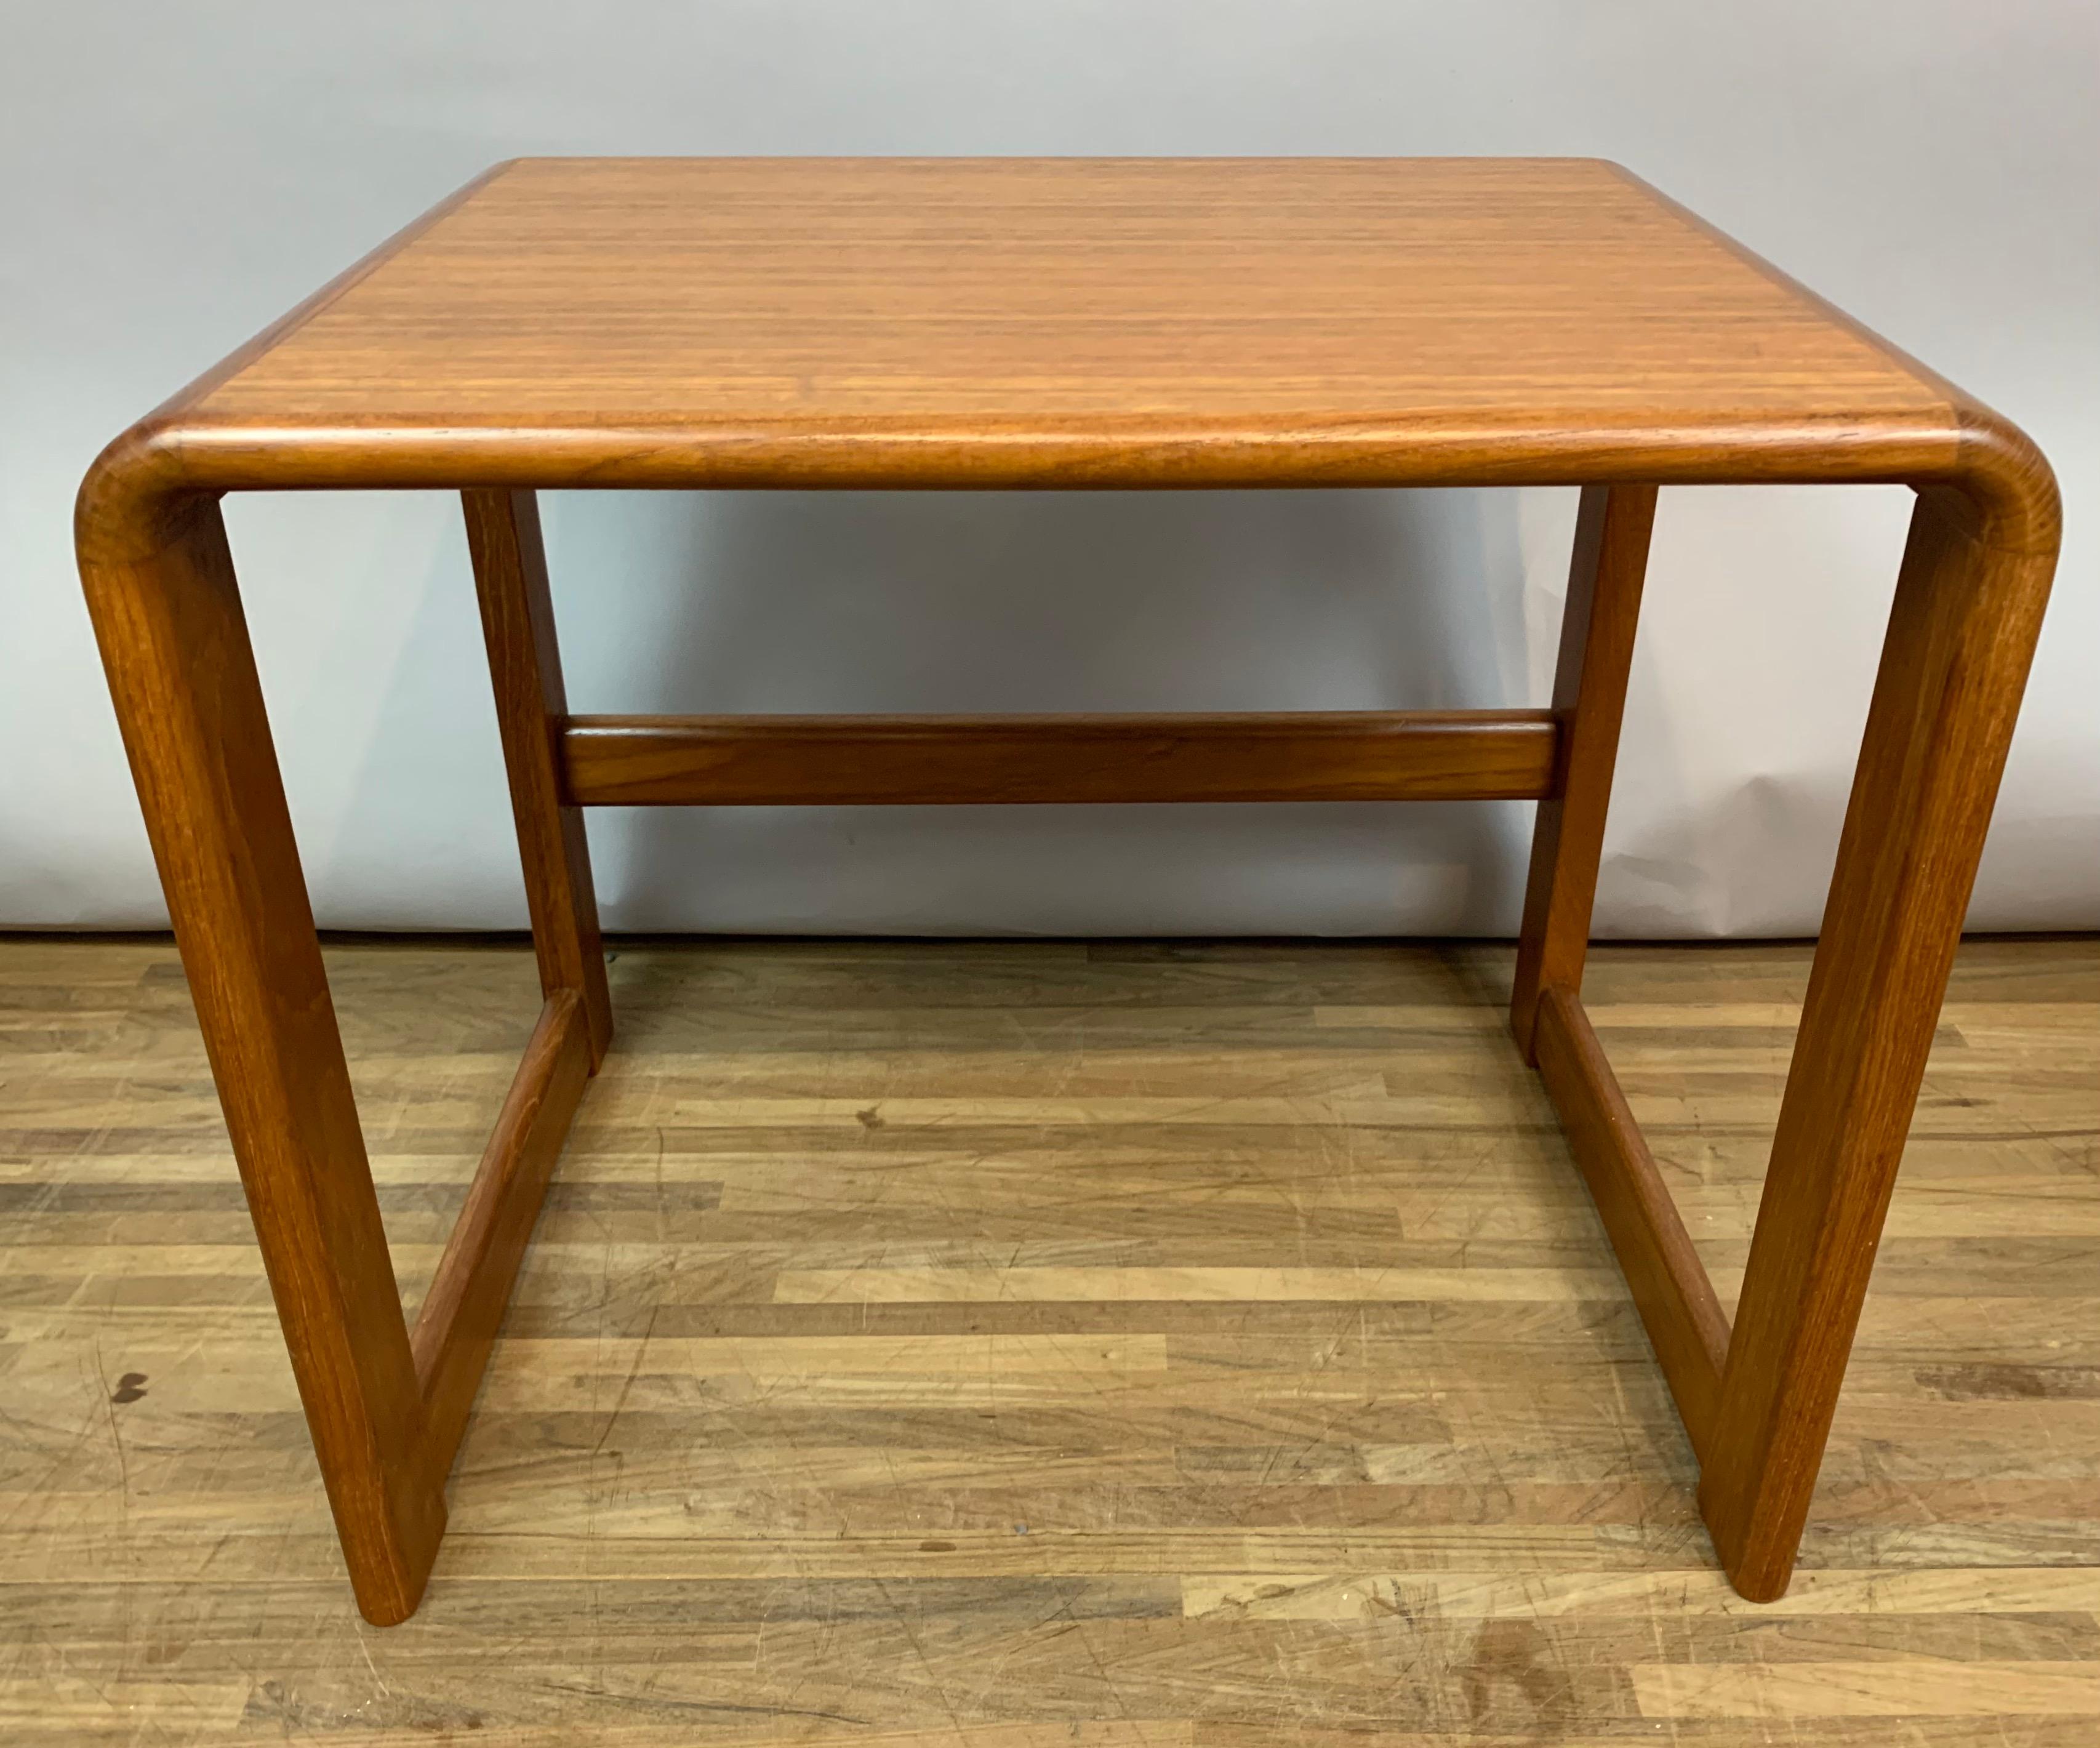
(1060, 321)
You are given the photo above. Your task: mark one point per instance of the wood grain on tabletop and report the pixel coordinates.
(739, 288)
(1155, 322)
(1048, 1344)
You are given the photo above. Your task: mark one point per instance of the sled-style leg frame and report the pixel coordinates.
(387, 1404)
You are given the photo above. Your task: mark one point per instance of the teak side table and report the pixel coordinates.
(1061, 323)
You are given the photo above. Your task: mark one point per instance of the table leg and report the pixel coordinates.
(456, 1326)
(531, 708)
(1961, 636)
(167, 613)
(1597, 626)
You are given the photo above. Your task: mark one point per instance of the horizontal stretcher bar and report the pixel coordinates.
(1322, 756)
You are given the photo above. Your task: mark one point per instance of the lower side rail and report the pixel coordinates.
(1676, 1300)
(456, 1326)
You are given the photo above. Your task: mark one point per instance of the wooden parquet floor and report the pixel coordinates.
(1048, 1346)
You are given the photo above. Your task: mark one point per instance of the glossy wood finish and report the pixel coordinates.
(455, 1328)
(774, 295)
(1679, 1308)
(167, 615)
(531, 705)
(1967, 610)
(1159, 323)
(1322, 756)
(1142, 324)
(1598, 620)
(1252, 1278)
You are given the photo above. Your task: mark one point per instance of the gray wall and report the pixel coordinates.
(174, 177)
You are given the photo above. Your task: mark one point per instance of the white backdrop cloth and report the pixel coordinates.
(175, 177)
